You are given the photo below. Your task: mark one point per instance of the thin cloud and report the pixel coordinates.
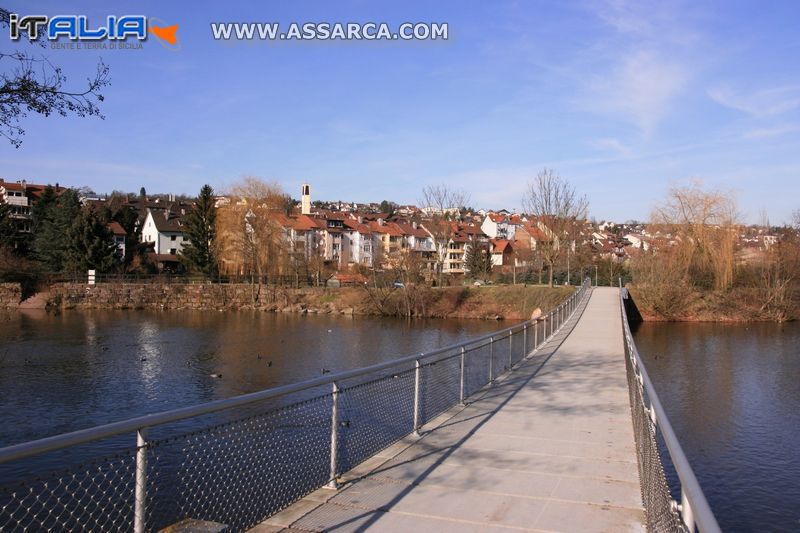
(777, 131)
(612, 144)
(763, 103)
(641, 89)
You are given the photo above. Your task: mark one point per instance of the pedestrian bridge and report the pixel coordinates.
(549, 425)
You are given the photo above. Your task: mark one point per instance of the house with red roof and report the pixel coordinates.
(119, 237)
(21, 196)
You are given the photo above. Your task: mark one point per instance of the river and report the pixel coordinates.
(732, 394)
(78, 369)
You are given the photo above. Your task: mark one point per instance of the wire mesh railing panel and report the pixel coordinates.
(239, 462)
(373, 415)
(656, 497)
(476, 368)
(439, 384)
(241, 472)
(516, 347)
(95, 496)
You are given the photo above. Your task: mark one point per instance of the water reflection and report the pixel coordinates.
(78, 369)
(732, 394)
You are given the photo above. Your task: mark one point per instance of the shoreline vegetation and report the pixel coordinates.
(652, 303)
(663, 303)
(506, 302)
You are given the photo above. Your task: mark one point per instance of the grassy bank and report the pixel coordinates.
(686, 304)
(488, 302)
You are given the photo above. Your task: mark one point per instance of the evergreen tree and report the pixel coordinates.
(387, 207)
(7, 229)
(91, 244)
(52, 219)
(200, 253)
(478, 260)
(44, 208)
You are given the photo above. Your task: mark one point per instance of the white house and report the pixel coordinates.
(500, 226)
(165, 229)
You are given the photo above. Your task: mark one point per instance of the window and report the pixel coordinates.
(173, 251)
(172, 238)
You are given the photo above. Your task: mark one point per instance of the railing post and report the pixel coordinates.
(510, 348)
(536, 334)
(686, 511)
(461, 380)
(333, 484)
(525, 341)
(140, 503)
(417, 372)
(491, 359)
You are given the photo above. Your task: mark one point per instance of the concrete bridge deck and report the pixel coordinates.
(548, 448)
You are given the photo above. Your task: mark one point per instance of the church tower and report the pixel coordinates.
(305, 206)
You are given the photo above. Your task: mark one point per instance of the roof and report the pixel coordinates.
(409, 229)
(499, 246)
(169, 219)
(116, 228)
(357, 226)
(534, 232)
(30, 189)
(305, 223)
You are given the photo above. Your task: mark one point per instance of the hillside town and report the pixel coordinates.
(281, 240)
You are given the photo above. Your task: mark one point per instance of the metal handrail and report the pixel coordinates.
(694, 509)
(141, 425)
(83, 436)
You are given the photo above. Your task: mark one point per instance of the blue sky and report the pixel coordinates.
(624, 99)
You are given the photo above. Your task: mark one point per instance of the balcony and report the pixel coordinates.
(17, 200)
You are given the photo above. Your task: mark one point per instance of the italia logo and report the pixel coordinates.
(77, 28)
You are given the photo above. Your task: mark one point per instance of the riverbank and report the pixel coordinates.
(515, 302)
(682, 304)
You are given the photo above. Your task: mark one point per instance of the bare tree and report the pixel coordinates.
(31, 83)
(251, 239)
(442, 205)
(704, 225)
(557, 210)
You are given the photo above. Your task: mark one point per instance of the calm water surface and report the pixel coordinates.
(732, 393)
(78, 369)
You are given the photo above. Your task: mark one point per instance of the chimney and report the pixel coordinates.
(305, 206)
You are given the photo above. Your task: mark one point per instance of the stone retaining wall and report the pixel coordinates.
(10, 295)
(172, 296)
